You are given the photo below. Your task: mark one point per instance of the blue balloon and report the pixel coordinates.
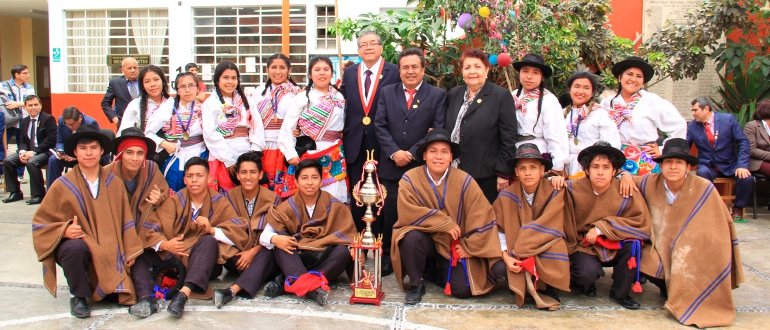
(493, 59)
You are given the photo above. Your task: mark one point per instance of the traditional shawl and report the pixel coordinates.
(173, 218)
(314, 120)
(268, 106)
(618, 218)
(108, 229)
(330, 224)
(429, 209)
(258, 219)
(146, 179)
(694, 247)
(537, 231)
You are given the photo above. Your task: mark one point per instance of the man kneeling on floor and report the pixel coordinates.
(87, 228)
(445, 226)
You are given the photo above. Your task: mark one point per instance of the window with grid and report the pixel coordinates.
(94, 34)
(234, 34)
(325, 18)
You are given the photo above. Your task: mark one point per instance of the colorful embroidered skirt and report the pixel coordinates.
(273, 164)
(638, 162)
(220, 176)
(333, 178)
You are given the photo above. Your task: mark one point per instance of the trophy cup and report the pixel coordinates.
(367, 286)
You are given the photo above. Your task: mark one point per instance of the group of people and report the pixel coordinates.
(260, 185)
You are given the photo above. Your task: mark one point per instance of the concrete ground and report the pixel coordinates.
(26, 304)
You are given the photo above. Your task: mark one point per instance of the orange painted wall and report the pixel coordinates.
(89, 104)
(626, 18)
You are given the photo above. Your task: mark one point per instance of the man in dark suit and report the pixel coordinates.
(38, 134)
(71, 119)
(361, 85)
(406, 112)
(723, 150)
(121, 90)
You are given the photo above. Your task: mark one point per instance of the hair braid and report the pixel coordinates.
(620, 89)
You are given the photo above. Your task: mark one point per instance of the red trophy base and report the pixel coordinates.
(365, 295)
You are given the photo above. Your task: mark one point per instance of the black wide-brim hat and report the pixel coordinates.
(174, 268)
(435, 135)
(534, 60)
(604, 147)
(86, 131)
(677, 148)
(634, 62)
(133, 132)
(303, 144)
(529, 151)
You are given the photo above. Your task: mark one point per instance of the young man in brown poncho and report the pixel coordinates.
(693, 253)
(198, 226)
(250, 201)
(312, 232)
(86, 226)
(609, 227)
(444, 221)
(532, 219)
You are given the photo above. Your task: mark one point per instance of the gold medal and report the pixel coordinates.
(576, 141)
(185, 136)
(367, 120)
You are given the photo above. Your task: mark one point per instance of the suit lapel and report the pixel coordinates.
(123, 84)
(717, 124)
(480, 98)
(401, 100)
(762, 131)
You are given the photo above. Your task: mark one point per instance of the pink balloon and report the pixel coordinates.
(464, 21)
(503, 60)
(492, 25)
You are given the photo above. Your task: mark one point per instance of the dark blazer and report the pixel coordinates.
(353, 134)
(63, 132)
(759, 144)
(488, 130)
(45, 136)
(398, 128)
(117, 91)
(731, 147)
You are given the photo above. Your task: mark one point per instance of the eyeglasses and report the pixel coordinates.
(187, 87)
(372, 45)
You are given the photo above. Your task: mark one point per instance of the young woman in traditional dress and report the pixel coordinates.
(230, 126)
(320, 114)
(273, 103)
(153, 91)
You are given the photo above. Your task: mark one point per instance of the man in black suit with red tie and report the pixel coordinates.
(38, 135)
(121, 90)
(406, 112)
(361, 86)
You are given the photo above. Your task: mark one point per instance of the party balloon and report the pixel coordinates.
(493, 59)
(464, 21)
(484, 12)
(503, 60)
(492, 25)
(498, 35)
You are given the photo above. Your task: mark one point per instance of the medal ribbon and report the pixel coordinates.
(179, 118)
(368, 105)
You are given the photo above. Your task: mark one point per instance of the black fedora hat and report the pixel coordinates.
(529, 151)
(86, 131)
(303, 144)
(133, 132)
(677, 148)
(173, 269)
(438, 134)
(634, 62)
(534, 60)
(604, 147)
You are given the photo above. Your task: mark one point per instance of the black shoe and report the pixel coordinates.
(627, 302)
(222, 297)
(17, 196)
(275, 288)
(145, 307)
(387, 269)
(176, 306)
(551, 292)
(35, 200)
(320, 296)
(591, 291)
(414, 296)
(79, 307)
(642, 280)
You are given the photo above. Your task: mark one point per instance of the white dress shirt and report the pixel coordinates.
(362, 75)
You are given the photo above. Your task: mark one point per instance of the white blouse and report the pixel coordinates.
(549, 132)
(228, 150)
(286, 139)
(162, 117)
(284, 106)
(131, 117)
(651, 114)
(597, 127)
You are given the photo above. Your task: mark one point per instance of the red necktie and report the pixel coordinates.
(709, 135)
(411, 97)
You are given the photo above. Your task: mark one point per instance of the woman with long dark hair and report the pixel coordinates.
(231, 126)
(153, 91)
(319, 113)
(272, 103)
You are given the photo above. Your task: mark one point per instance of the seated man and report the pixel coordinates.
(534, 231)
(445, 224)
(608, 226)
(71, 119)
(693, 255)
(313, 232)
(723, 155)
(250, 201)
(87, 228)
(146, 190)
(189, 225)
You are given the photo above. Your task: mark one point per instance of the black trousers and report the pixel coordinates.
(12, 163)
(333, 266)
(74, 257)
(388, 218)
(488, 187)
(418, 251)
(261, 268)
(201, 262)
(14, 132)
(141, 273)
(585, 269)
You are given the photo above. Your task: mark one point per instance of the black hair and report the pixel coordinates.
(251, 156)
(87, 140)
(221, 67)
(176, 83)
(620, 86)
(307, 163)
(539, 99)
(33, 96)
(189, 66)
(585, 162)
(594, 88)
(71, 113)
(410, 52)
(310, 66)
(763, 110)
(196, 161)
(270, 60)
(17, 69)
(144, 97)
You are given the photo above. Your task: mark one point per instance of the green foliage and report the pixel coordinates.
(742, 94)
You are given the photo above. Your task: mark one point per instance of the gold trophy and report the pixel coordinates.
(367, 286)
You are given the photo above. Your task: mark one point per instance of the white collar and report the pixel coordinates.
(416, 88)
(436, 183)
